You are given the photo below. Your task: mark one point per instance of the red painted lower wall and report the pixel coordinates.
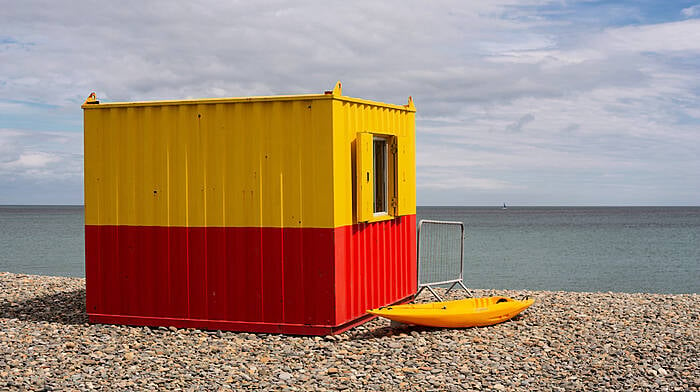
(375, 265)
(294, 280)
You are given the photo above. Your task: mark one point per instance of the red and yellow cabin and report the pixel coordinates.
(289, 214)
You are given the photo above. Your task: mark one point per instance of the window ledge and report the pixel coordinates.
(380, 218)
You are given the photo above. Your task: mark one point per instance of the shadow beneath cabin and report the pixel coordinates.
(65, 308)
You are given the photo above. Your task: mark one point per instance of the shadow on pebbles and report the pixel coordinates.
(565, 341)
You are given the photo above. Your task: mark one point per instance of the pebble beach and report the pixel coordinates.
(565, 341)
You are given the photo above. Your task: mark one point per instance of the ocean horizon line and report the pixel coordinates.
(496, 205)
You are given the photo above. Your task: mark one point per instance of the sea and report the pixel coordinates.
(618, 249)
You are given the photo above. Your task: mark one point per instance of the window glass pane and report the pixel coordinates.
(380, 175)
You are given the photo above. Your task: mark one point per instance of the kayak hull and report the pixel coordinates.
(469, 312)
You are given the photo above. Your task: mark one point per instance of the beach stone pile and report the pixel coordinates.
(564, 342)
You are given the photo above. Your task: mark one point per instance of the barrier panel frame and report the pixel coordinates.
(459, 280)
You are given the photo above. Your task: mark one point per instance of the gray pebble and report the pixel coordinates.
(284, 376)
(566, 341)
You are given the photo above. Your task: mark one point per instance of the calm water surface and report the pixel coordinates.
(43, 240)
(629, 249)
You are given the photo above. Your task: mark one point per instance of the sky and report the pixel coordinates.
(527, 102)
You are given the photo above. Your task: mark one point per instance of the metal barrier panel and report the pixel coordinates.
(440, 255)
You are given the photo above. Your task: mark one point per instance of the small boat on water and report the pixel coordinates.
(469, 312)
(504, 207)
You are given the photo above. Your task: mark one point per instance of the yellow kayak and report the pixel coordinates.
(469, 312)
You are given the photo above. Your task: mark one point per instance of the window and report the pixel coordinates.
(376, 177)
(380, 175)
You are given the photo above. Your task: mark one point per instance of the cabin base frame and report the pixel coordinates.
(235, 326)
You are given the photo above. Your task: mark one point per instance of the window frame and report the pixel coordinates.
(384, 175)
(364, 177)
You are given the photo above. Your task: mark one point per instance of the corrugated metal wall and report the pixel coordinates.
(375, 265)
(270, 275)
(242, 164)
(376, 261)
(352, 117)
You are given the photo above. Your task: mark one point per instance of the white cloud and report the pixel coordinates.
(40, 156)
(441, 178)
(691, 11)
(662, 37)
(34, 160)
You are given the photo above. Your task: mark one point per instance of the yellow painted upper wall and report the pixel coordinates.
(238, 164)
(351, 118)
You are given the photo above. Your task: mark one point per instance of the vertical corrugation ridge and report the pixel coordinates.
(226, 294)
(261, 151)
(407, 278)
(146, 277)
(203, 131)
(374, 246)
(371, 252)
(168, 191)
(386, 248)
(360, 278)
(187, 225)
(381, 245)
(116, 278)
(356, 260)
(333, 262)
(361, 259)
(396, 241)
(405, 268)
(302, 214)
(280, 289)
(308, 123)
